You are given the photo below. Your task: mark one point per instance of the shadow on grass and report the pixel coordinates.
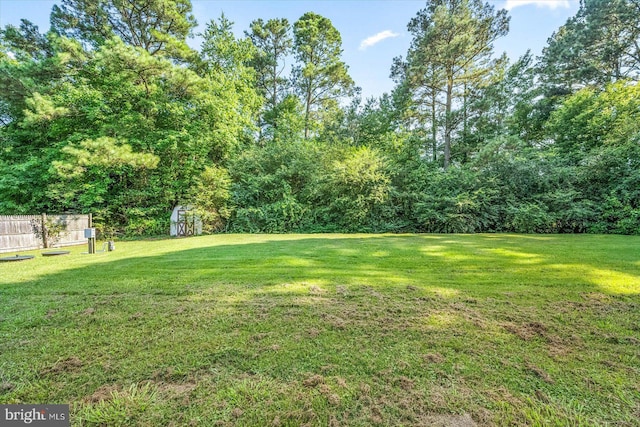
(374, 329)
(460, 263)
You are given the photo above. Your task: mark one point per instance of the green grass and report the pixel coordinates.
(324, 330)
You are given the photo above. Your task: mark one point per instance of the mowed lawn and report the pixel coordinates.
(329, 330)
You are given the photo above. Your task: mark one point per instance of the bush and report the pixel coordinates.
(211, 197)
(529, 218)
(353, 191)
(272, 185)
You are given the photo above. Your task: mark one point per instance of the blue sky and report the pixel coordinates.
(532, 22)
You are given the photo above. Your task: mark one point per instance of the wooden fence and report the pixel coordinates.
(25, 232)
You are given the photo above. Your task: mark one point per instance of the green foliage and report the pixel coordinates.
(450, 54)
(49, 230)
(286, 120)
(211, 197)
(119, 132)
(321, 77)
(112, 113)
(529, 218)
(121, 407)
(273, 42)
(598, 45)
(353, 191)
(591, 118)
(157, 26)
(455, 202)
(271, 186)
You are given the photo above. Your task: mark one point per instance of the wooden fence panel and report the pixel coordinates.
(75, 225)
(17, 232)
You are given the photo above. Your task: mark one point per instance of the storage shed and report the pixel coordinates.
(185, 222)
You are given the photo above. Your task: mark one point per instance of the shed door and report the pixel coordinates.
(185, 223)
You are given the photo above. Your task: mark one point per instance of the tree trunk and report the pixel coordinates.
(274, 97)
(447, 123)
(274, 94)
(306, 115)
(434, 129)
(464, 124)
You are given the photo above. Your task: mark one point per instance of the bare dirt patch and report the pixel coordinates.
(103, 393)
(542, 396)
(313, 381)
(136, 316)
(6, 387)
(447, 421)
(335, 321)
(316, 290)
(540, 373)
(341, 382)
(559, 348)
(70, 364)
(527, 331)
(313, 332)
(433, 358)
(342, 290)
(175, 389)
(405, 383)
(89, 311)
(331, 397)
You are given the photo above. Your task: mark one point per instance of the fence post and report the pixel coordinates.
(92, 240)
(43, 219)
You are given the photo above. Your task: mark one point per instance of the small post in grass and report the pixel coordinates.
(90, 234)
(43, 221)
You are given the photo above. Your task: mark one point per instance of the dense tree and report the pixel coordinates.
(320, 78)
(504, 107)
(450, 53)
(158, 26)
(111, 113)
(273, 42)
(600, 44)
(225, 59)
(211, 197)
(122, 133)
(591, 118)
(272, 186)
(353, 191)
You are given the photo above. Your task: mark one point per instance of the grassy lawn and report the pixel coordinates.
(328, 330)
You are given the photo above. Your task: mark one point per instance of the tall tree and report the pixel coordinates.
(157, 26)
(599, 45)
(320, 77)
(222, 51)
(591, 118)
(451, 52)
(273, 41)
(504, 107)
(27, 65)
(421, 92)
(113, 130)
(226, 60)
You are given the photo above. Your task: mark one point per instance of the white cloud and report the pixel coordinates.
(370, 41)
(551, 4)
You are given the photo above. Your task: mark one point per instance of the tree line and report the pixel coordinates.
(111, 112)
